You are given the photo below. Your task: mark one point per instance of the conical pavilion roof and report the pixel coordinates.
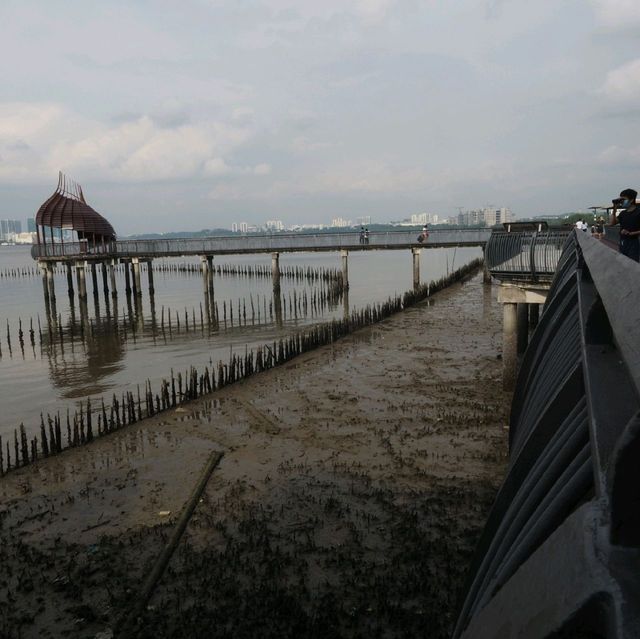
(67, 209)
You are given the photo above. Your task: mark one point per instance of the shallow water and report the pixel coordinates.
(114, 345)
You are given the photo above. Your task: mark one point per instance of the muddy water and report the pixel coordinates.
(112, 345)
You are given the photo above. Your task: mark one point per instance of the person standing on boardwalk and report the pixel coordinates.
(366, 236)
(629, 221)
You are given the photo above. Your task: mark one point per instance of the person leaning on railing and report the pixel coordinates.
(629, 221)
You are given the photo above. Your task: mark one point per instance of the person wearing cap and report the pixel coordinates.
(629, 221)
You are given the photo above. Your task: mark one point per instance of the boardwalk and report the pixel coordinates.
(251, 244)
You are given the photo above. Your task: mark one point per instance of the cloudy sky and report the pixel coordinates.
(194, 114)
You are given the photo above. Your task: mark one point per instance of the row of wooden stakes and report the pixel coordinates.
(178, 389)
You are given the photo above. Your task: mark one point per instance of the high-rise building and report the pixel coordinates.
(9, 228)
(340, 222)
(234, 227)
(493, 215)
(244, 227)
(274, 225)
(31, 225)
(364, 220)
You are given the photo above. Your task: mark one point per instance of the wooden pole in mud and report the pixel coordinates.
(415, 252)
(105, 281)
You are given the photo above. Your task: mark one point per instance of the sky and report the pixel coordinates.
(199, 113)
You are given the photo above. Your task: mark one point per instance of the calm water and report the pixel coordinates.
(107, 348)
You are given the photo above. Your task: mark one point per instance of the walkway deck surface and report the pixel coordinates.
(354, 484)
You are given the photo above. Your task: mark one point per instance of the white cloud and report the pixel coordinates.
(37, 140)
(617, 14)
(622, 85)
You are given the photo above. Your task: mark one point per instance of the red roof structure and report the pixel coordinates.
(67, 209)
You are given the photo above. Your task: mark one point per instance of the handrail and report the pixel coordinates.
(558, 551)
(525, 255)
(229, 245)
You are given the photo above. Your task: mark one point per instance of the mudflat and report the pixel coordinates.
(353, 486)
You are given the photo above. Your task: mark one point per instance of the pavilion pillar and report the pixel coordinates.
(50, 281)
(127, 278)
(105, 281)
(69, 279)
(82, 282)
(94, 278)
(416, 268)
(112, 277)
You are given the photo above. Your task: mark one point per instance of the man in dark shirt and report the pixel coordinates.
(629, 220)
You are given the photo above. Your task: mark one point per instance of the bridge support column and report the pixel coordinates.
(275, 269)
(82, 281)
(523, 327)
(112, 278)
(509, 345)
(486, 274)
(152, 289)
(345, 269)
(69, 279)
(135, 265)
(534, 315)
(516, 300)
(415, 252)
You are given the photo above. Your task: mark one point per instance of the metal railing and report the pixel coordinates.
(525, 255)
(261, 244)
(560, 552)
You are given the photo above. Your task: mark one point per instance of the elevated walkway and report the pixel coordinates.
(560, 552)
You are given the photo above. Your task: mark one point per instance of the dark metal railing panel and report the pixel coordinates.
(230, 245)
(573, 431)
(527, 255)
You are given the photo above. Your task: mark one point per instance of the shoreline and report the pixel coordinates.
(395, 434)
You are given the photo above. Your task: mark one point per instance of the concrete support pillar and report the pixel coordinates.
(345, 268)
(523, 327)
(509, 345)
(486, 275)
(415, 252)
(82, 281)
(534, 315)
(127, 278)
(69, 279)
(50, 282)
(135, 265)
(275, 269)
(152, 289)
(94, 278)
(112, 278)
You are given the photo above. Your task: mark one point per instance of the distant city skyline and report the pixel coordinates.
(203, 113)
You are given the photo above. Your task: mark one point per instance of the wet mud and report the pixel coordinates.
(353, 486)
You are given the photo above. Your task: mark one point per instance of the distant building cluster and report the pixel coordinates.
(486, 216)
(11, 231)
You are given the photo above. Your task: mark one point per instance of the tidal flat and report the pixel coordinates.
(353, 486)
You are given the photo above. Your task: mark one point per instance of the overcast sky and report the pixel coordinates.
(195, 114)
